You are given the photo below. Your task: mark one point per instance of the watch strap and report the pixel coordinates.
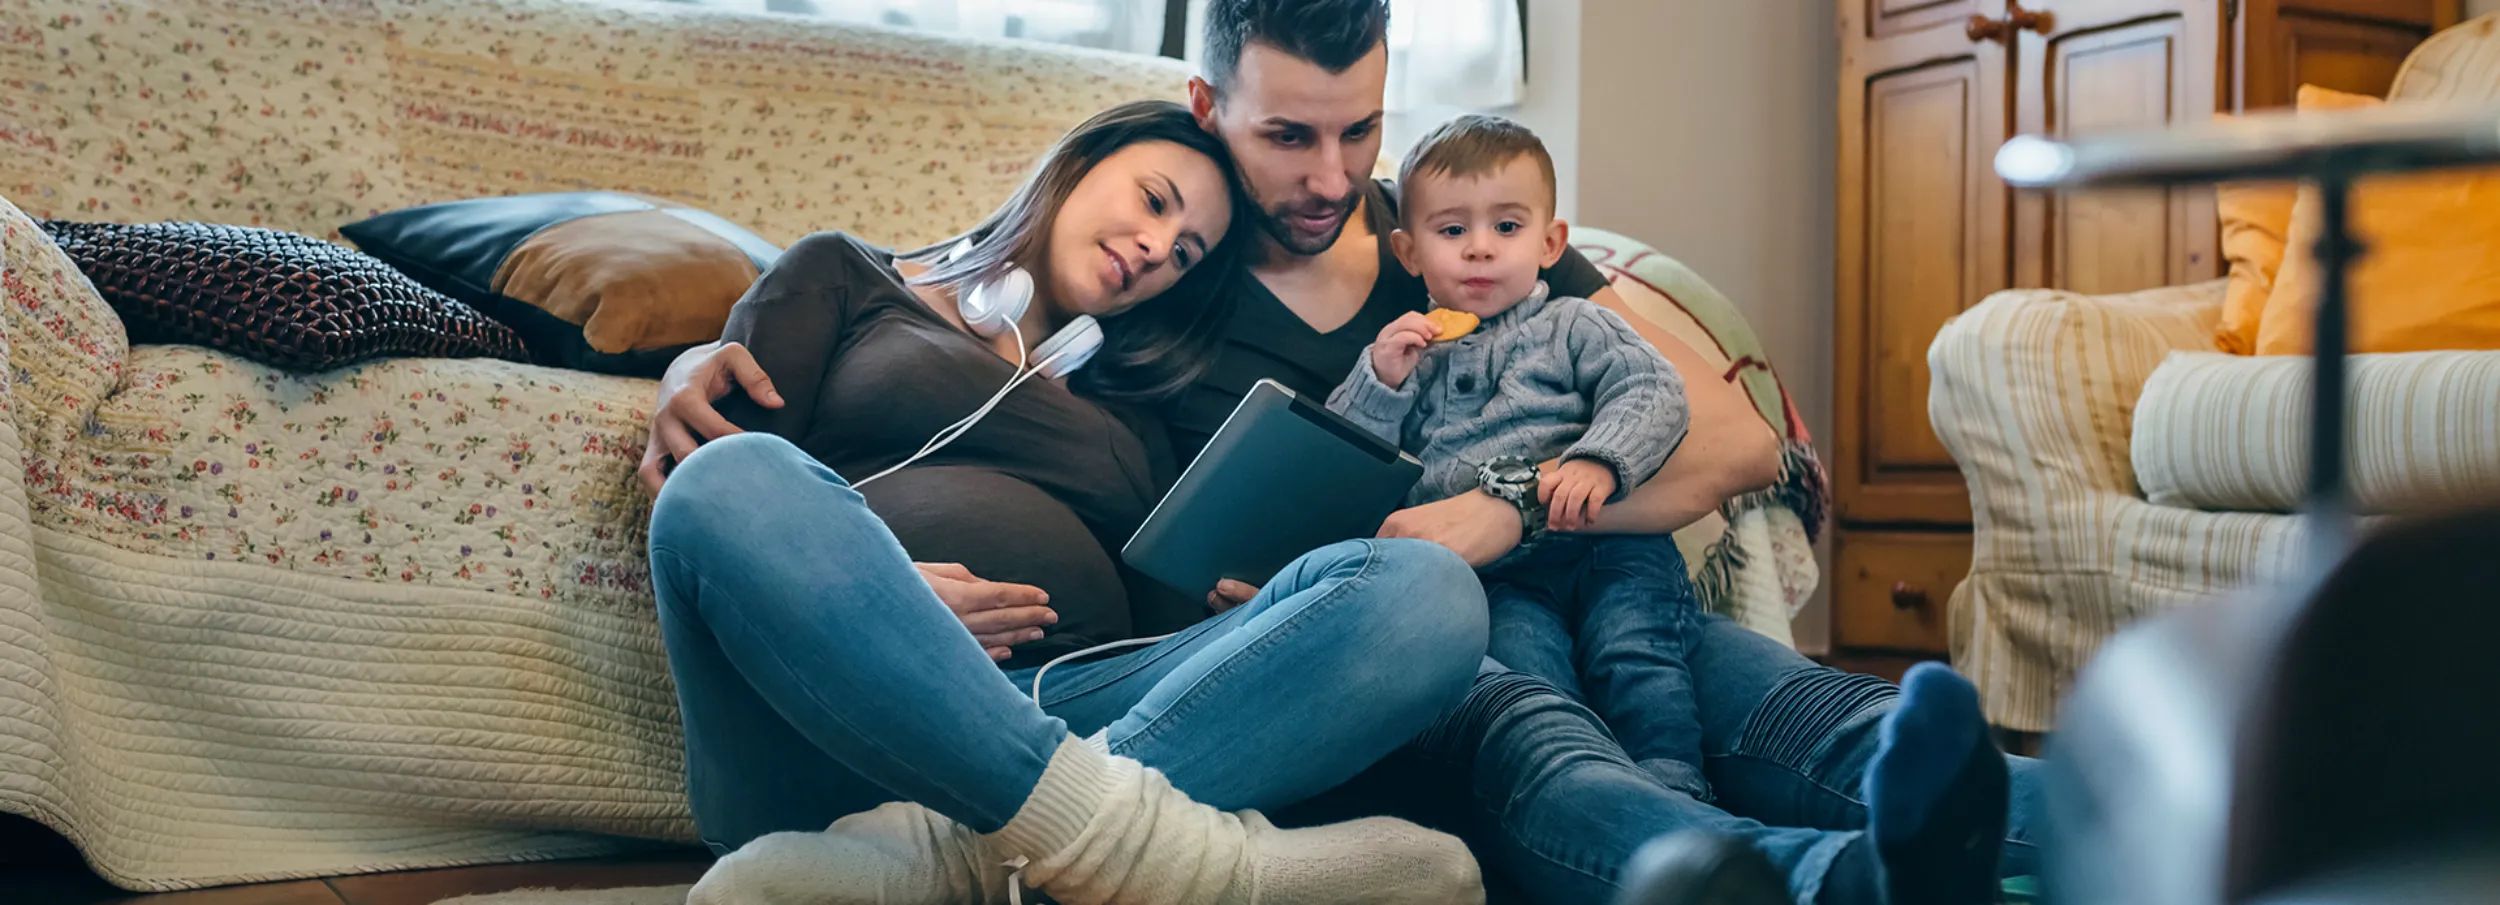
(1521, 495)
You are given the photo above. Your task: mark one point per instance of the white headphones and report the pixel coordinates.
(993, 308)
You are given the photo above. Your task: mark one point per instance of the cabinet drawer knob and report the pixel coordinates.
(1908, 596)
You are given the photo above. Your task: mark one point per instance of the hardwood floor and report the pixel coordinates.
(78, 887)
(429, 886)
(39, 868)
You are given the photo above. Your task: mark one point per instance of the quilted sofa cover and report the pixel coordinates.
(257, 624)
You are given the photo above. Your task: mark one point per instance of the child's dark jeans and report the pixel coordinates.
(1608, 618)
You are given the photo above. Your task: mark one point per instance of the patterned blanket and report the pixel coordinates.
(1754, 560)
(257, 625)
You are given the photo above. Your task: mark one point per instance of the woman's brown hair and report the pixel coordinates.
(1151, 352)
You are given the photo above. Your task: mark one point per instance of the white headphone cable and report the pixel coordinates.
(1096, 649)
(955, 431)
(952, 432)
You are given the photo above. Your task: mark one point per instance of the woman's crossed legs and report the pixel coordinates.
(820, 676)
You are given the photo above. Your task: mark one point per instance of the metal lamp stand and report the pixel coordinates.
(2329, 501)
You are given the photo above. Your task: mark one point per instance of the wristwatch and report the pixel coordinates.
(1513, 479)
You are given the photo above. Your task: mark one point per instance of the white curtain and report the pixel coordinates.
(1464, 54)
(1135, 26)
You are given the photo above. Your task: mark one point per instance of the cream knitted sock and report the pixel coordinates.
(1104, 830)
(897, 854)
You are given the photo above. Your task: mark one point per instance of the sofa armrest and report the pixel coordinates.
(2033, 394)
(2230, 433)
(2035, 389)
(62, 347)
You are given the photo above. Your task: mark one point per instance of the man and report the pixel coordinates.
(1295, 89)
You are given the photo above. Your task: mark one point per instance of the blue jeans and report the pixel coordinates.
(1559, 807)
(1609, 621)
(818, 675)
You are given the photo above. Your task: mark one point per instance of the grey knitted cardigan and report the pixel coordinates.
(1547, 378)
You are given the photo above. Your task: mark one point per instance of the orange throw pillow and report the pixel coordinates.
(2430, 276)
(2255, 216)
(2256, 219)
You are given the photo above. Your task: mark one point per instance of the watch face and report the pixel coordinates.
(1514, 474)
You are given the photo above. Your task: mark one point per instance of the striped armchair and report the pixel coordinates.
(2120, 464)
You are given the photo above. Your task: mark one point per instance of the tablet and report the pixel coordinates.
(1282, 477)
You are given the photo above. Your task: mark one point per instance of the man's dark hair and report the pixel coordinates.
(1330, 34)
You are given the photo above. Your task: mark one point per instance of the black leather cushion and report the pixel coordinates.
(274, 297)
(466, 249)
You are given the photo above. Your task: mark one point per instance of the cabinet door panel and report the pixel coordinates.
(2347, 45)
(1922, 237)
(2114, 65)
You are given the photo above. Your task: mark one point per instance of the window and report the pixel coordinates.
(1135, 26)
(1464, 54)
(1444, 55)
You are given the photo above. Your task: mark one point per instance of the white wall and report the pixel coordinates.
(2481, 7)
(1551, 105)
(1707, 130)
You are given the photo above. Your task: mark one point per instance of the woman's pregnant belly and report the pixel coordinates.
(1004, 529)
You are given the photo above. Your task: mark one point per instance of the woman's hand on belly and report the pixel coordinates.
(685, 417)
(999, 615)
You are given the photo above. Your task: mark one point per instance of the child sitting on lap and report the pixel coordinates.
(1538, 379)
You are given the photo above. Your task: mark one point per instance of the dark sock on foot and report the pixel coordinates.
(1935, 794)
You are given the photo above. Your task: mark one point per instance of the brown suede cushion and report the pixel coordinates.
(612, 282)
(631, 280)
(273, 297)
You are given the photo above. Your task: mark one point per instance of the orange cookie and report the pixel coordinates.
(1453, 324)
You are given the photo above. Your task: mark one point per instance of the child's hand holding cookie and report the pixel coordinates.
(1401, 347)
(1401, 344)
(1573, 492)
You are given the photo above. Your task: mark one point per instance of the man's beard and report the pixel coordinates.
(1274, 219)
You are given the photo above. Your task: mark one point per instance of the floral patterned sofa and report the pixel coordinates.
(257, 624)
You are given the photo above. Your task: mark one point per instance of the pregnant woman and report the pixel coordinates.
(825, 677)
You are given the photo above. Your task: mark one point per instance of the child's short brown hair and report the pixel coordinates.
(1474, 145)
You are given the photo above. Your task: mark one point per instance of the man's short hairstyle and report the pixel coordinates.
(1476, 145)
(1330, 34)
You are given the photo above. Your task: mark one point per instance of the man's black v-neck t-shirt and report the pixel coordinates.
(1268, 341)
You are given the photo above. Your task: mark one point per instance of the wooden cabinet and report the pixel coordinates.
(1923, 235)
(1928, 91)
(1890, 592)
(1893, 588)
(2347, 45)
(2116, 65)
